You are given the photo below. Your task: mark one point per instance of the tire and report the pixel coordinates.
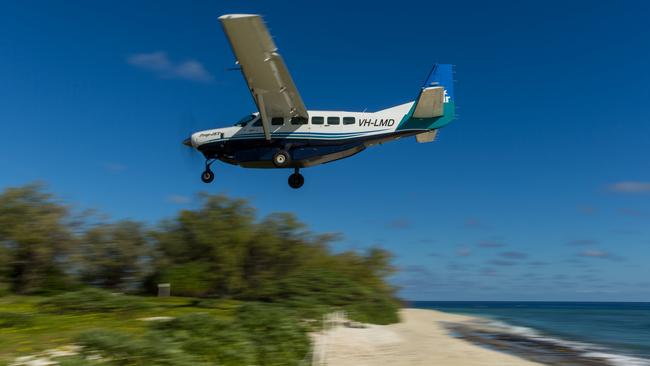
(296, 180)
(282, 159)
(207, 176)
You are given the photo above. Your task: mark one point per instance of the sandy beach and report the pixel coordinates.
(419, 339)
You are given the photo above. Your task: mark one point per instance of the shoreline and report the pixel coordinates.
(534, 346)
(433, 337)
(420, 338)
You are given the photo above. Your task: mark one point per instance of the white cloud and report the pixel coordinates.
(399, 223)
(159, 63)
(151, 61)
(600, 254)
(114, 167)
(463, 252)
(490, 244)
(192, 70)
(595, 254)
(178, 199)
(583, 242)
(630, 187)
(513, 254)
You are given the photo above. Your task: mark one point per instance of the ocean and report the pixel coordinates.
(616, 332)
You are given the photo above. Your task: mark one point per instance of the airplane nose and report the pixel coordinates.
(188, 142)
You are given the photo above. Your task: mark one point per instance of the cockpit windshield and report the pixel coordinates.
(242, 122)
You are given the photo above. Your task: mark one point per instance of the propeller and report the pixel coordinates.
(188, 126)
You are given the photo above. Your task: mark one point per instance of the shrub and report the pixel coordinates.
(376, 309)
(262, 335)
(314, 288)
(92, 300)
(15, 320)
(210, 303)
(278, 335)
(188, 279)
(211, 339)
(76, 361)
(123, 349)
(315, 292)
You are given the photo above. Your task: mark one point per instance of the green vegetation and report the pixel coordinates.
(246, 284)
(34, 328)
(15, 320)
(257, 335)
(91, 300)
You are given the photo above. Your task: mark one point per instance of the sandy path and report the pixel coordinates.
(417, 340)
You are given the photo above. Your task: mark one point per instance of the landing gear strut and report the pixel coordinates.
(207, 176)
(296, 180)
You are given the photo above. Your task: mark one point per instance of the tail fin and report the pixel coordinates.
(442, 75)
(435, 105)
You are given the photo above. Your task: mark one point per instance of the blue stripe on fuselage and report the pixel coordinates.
(301, 135)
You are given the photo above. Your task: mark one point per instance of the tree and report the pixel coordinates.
(215, 236)
(219, 249)
(113, 256)
(35, 239)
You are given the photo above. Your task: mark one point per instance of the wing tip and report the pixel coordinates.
(238, 16)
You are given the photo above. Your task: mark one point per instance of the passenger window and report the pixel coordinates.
(277, 121)
(348, 120)
(333, 120)
(317, 120)
(298, 120)
(257, 123)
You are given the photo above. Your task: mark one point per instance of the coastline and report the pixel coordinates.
(421, 338)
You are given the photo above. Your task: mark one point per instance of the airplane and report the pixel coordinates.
(284, 134)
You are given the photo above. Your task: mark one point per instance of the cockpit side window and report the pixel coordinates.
(242, 122)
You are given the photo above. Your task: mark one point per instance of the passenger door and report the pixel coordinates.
(254, 127)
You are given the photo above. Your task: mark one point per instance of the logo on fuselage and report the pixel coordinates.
(369, 122)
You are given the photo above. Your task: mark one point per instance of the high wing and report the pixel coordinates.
(264, 70)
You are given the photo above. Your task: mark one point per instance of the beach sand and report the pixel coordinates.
(419, 339)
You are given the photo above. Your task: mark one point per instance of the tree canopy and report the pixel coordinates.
(219, 249)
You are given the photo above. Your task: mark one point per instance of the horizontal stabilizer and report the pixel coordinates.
(430, 103)
(428, 136)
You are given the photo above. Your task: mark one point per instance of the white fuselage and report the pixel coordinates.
(322, 125)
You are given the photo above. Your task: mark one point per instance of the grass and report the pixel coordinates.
(27, 328)
(202, 331)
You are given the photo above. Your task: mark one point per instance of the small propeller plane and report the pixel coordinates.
(284, 134)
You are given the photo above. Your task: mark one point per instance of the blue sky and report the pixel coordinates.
(539, 191)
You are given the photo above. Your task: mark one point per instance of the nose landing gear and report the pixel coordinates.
(296, 180)
(207, 176)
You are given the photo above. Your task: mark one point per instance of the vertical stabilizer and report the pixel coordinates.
(435, 106)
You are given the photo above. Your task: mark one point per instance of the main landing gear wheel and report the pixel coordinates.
(281, 159)
(296, 180)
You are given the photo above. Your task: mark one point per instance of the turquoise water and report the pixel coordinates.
(621, 331)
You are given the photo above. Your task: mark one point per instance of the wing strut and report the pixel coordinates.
(264, 117)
